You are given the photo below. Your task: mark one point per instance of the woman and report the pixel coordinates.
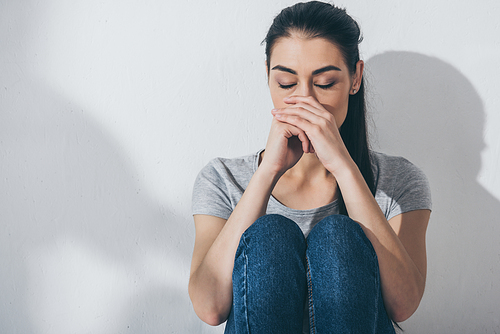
(272, 253)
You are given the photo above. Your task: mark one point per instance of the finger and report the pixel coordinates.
(292, 130)
(308, 103)
(298, 111)
(294, 99)
(311, 148)
(306, 111)
(304, 139)
(297, 121)
(306, 143)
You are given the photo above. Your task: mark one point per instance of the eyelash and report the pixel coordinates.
(320, 86)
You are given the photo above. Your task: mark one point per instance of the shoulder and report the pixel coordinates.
(231, 167)
(221, 183)
(401, 186)
(227, 174)
(393, 167)
(382, 160)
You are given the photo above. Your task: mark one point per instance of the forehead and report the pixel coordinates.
(305, 54)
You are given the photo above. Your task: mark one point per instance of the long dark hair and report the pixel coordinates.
(321, 20)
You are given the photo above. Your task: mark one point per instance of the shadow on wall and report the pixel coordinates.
(427, 111)
(83, 249)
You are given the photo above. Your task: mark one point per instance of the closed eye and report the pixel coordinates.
(326, 86)
(286, 86)
(320, 86)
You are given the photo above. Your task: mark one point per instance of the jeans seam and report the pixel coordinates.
(312, 325)
(245, 285)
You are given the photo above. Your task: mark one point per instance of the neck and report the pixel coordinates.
(308, 167)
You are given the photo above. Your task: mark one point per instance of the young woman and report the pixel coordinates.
(316, 233)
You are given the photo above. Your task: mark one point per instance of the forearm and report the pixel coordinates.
(402, 282)
(210, 285)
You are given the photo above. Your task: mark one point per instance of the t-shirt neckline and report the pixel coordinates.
(277, 203)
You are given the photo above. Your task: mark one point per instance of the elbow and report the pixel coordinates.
(208, 312)
(404, 309)
(210, 315)
(212, 318)
(400, 315)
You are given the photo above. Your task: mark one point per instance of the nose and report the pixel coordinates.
(304, 89)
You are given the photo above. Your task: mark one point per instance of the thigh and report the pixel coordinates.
(343, 280)
(269, 278)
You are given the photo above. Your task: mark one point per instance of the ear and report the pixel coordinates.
(358, 76)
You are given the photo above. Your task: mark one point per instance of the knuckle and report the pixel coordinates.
(315, 128)
(323, 122)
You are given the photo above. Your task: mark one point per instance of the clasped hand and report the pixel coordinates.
(303, 126)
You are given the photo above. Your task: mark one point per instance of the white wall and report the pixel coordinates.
(108, 109)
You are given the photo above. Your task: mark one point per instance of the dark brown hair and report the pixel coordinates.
(322, 20)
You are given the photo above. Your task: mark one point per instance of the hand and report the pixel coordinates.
(320, 128)
(285, 146)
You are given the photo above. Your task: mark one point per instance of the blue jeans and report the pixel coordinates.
(276, 270)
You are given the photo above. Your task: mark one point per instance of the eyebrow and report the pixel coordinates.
(315, 72)
(326, 69)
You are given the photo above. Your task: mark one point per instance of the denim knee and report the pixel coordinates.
(340, 231)
(274, 230)
(343, 278)
(269, 278)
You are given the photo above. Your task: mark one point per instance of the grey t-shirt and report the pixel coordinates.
(400, 187)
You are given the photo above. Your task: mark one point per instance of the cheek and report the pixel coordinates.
(337, 107)
(338, 114)
(334, 103)
(277, 96)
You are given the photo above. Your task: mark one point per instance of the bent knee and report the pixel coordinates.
(336, 224)
(274, 229)
(277, 225)
(341, 231)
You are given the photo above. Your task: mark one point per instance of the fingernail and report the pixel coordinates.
(287, 98)
(277, 115)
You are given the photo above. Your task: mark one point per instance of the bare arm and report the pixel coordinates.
(210, 283)
(400, 243)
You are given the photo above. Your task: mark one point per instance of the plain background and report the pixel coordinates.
(108, 110)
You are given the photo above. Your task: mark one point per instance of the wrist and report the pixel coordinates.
(343, 167)
(268, 175)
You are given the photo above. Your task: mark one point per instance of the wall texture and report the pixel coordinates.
(108, 110)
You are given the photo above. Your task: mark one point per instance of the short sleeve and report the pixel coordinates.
(210, 195)
(411, 190)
